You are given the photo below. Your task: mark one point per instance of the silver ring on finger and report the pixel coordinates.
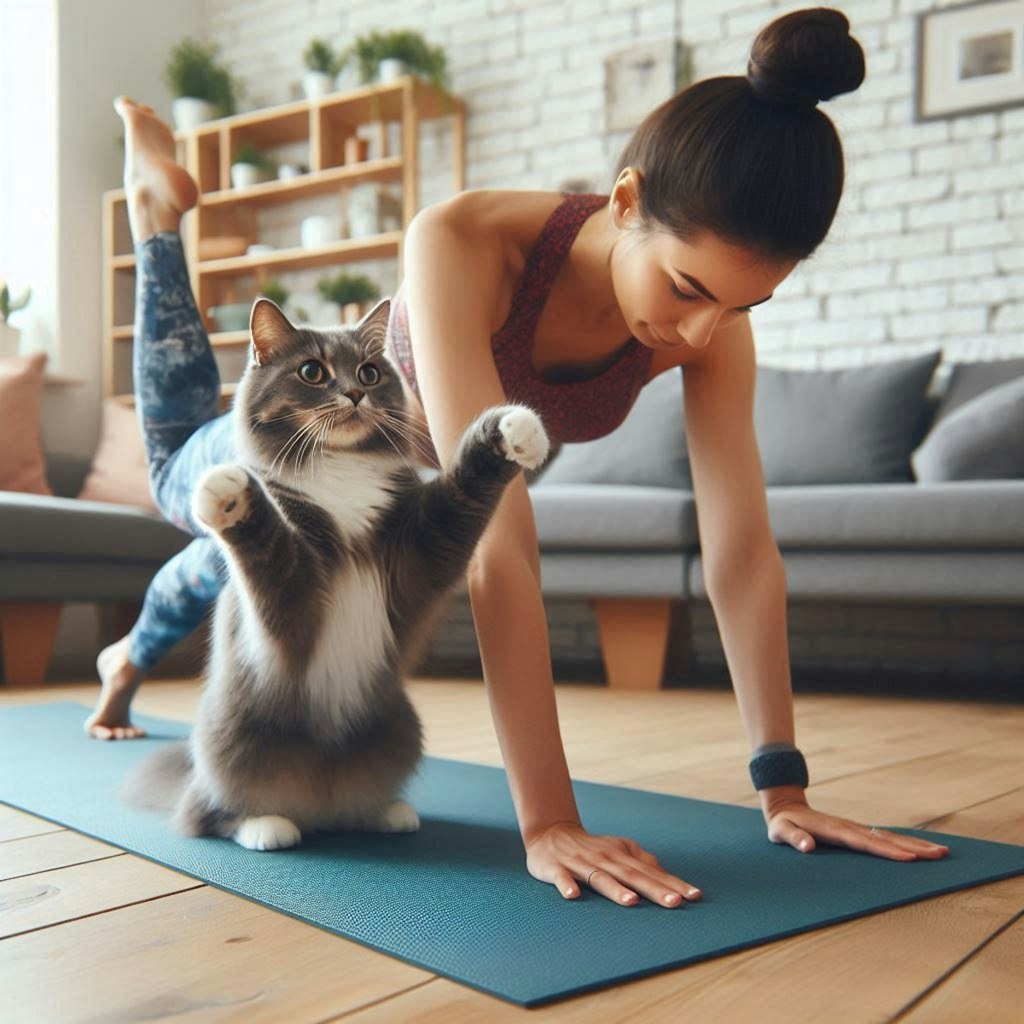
(591, 875)
(873, 831)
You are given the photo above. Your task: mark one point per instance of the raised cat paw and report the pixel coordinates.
(523, 438)
(269, 832)
(222, 497)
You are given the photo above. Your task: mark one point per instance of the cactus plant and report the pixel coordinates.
(9, 304)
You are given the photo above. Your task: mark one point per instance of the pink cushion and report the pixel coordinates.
(22, 463)
(118, 472)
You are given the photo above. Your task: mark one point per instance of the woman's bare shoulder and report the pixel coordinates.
(513, 216)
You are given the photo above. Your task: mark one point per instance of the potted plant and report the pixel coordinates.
(250, 166)
(203, 88)
(276, 292)
(321, 65)
(351, 292)
(384, 56)
(10, 336)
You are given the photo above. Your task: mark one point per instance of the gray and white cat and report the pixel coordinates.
(339, 559)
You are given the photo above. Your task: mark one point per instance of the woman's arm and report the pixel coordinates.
(746, 583)
(453, 274)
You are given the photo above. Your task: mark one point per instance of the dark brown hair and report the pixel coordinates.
(751, 158)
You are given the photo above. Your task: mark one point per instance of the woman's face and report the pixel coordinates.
(674, 294)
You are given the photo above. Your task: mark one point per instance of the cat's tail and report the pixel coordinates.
(158, 783)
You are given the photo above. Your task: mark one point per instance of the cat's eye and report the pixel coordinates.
(368, 375)
(312, 372)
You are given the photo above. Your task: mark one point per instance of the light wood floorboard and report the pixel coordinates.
(71, 907)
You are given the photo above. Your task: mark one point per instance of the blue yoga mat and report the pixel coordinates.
(455, 897)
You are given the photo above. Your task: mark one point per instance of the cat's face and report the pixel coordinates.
(311, 392)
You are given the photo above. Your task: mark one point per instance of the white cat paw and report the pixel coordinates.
(222, 497)
(400, 817)
(524, 439)
(269, 832)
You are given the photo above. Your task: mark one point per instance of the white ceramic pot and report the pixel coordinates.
(245, 175)
(10, 340)
(190, 112)
(317, 230)
(390, 68)
(316, 84)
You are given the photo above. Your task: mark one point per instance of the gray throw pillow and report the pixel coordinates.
(840, 426)
(968, 380)
(648, 449)
(983, 439)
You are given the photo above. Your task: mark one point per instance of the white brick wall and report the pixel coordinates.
(930, 233)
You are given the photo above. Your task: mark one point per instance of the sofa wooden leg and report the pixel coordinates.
(28, 631)
(634, 639)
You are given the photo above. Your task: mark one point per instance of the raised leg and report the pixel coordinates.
(634, 640)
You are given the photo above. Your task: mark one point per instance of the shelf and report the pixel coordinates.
(288, 122)
(306, 185)
(349, 250)
(124, 262)
(125, 333)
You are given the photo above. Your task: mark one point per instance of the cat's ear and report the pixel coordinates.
(373, 328)
(270, 330)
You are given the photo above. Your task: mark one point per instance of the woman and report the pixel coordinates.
(529, 296)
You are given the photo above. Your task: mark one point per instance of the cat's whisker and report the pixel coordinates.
(379, 426)
(292, 441)
(409, 435)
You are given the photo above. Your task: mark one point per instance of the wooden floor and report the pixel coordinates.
(88, 933)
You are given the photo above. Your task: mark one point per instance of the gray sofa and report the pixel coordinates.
(617, 520)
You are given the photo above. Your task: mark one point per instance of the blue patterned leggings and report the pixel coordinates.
(177, 393)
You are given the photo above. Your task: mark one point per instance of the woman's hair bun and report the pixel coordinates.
(804, 57)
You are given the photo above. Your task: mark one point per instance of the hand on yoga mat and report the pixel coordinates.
(570, 858)
(792, 820)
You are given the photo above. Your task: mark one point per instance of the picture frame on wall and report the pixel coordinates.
(970, 59)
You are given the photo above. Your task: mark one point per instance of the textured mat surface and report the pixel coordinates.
(455, 898)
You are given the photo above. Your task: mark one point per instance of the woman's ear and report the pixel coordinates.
(625, 198)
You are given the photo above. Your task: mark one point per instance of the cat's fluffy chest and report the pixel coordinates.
(355, 491)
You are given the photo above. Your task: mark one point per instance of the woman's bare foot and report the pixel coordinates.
(120, 679)
(159, 189)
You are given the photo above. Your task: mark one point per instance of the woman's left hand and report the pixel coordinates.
(792, 820)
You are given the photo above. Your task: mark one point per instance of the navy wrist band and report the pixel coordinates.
(779, 768)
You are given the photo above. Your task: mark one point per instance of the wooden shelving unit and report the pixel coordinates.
(325, 125)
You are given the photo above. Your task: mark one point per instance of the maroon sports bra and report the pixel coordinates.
(572, 411)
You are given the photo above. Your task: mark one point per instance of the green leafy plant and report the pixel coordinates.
(193, 70)
(347, 288)
(320, 56)
(419, 56)
(275, 291)
(247, 153)
(9, 304)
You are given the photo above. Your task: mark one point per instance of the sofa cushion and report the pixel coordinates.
(70, 529)
(648, 449)
(986, 515)
(968, 380)
(119, 470)
(22, 464)
(983, 439)
(855, 425)
(586, 517)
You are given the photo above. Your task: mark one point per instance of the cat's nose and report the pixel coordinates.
(355, 396)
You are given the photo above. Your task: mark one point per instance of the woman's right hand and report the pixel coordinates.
(569, 857)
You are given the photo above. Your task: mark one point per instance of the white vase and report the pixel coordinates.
(316, 84)
(190, 112)
(245, 175)
(10, 340)
(347, 78)
(390, 68)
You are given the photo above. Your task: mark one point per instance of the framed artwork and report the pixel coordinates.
(970, 58)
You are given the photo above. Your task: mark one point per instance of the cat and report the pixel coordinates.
(339, 557)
